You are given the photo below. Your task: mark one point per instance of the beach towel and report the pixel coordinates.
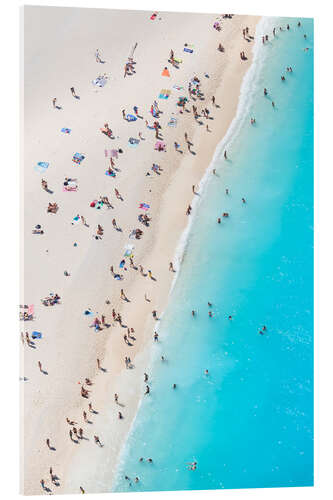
(133, 142)
(164, 94)
(172, 122)
(100, 81)
(96, 204)
(131, 118)
(36, 335)
(165, 72)
(178, 87)
(110, 174)
(144, 206)
(186, 49)
(160, 146)
(41, 166)
(31, 310)
(70, 188)
(76, 220)
(66, 130)
(77, 158)
(111, 153)
(177, 60)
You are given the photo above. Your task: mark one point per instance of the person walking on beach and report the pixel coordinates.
(48, 444)
(145, 377)
(82, 490)
(147, 389)
(116, 398)
(73, 93)
(155, 337)
(97, 56)
(97, 441)
(54, 100)
(171, 268)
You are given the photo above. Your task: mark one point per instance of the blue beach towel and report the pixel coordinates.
(36, 335)
(41, 166)
(131, 118)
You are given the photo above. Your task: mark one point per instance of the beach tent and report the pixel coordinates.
(165, 72)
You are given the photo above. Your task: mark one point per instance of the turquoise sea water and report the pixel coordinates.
(249, 423)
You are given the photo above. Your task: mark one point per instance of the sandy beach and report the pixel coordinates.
(59, 53)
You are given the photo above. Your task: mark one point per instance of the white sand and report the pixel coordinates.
(60, 44)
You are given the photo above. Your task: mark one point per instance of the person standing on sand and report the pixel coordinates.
(147, 389)
(98, 364)
(48, 444)
(171, 268)
(82, 490)
(54, 100)
(145, 377)
(97, 441)
(116, 398)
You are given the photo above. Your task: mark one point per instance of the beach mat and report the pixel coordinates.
(164, 94)
(41, 166)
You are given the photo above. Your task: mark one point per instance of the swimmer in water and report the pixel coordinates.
(193, 312)
(210, 314)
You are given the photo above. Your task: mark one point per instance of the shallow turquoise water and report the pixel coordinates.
(249, 423)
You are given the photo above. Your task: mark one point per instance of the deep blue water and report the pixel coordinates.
(249, 423)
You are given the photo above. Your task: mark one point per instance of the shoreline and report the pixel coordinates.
(69, 462)
(230, 136)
